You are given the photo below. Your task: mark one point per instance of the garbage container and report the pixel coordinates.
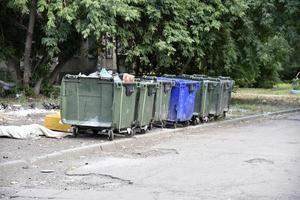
(162, 100)
(225, 92)
(144, 113)
(213, 97)
(182, 100)
(201, 109)
(98, 104)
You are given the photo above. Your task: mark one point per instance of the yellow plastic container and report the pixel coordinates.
(53, 122)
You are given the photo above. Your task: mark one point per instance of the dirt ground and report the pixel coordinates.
(14, 149)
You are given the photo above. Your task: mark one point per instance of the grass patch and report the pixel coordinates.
(248, 101)
(245, 108)
(279, 89)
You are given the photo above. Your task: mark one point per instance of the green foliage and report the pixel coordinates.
(296, 84)
(255, 42)
(22, 91)
(50, 91)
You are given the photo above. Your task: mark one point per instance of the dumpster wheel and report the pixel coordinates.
(205, 119)
(196, 121)
(175, 125)
(75, 131)
(224, 114)
(150, 127)
(144, 129)
(186, 123)
(111, 135)
(130, 133)
(133, 132)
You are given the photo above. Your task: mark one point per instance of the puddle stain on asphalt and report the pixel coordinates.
(259, 161)
(155, 153)
(100, 180)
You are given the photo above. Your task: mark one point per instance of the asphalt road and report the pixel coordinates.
(254, 160)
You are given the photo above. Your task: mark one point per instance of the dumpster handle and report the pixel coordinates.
(118, 84)
(121, 108)
(191, 88)
(151, 90)
(204, 101)
(227, 86)
(210, 86)
(167, 87)
(129, 89)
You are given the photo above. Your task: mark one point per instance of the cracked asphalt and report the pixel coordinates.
(257, 159)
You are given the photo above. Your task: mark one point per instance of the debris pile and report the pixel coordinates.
(51, 106)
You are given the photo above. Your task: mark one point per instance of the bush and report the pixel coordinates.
(20, 89)
(50, 90)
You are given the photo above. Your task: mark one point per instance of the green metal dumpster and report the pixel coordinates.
(162, 100)
(225, 92)
(144, 112)
(214, 98)
(98, 104)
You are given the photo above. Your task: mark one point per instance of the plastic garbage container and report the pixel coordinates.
(182, 100)
(98, 104)
(201, 109)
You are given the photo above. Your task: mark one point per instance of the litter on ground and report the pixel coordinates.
(32, 131)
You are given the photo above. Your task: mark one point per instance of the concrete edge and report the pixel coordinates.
(138, 140)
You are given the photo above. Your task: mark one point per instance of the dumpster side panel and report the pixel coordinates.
(226, 91)
(228, 86)
(144, 113)
(95, 102)
(213, 97)
(185, 104)
(204, 102)
(198, 100)
(69, 101)
(174, 100)
(124, 105)
(220, 97)
(201, 102)
(87, 102)
(162, 101)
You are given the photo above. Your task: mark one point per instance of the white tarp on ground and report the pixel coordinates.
(29, 132)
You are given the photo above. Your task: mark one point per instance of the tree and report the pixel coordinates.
(45, 30)
(251, 41)
(28, 43)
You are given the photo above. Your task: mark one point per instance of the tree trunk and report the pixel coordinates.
(186, 65)
(28, 44)
(117, 56)
(53, 75)
(43, 61)
(14, 63)
(37, 87)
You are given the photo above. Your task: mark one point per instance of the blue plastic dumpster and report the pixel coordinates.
(182, 100)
